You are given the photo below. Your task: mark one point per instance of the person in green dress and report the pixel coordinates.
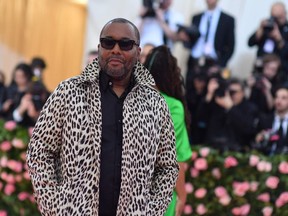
(169, 81)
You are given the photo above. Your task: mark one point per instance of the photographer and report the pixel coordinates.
(223, 115)
(216, 40)
(263, 82)
(272, 136)
(272, 35)
(31, 103)
(159, 24)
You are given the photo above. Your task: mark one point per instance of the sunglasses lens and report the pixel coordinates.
(107, 43)
(126, 44)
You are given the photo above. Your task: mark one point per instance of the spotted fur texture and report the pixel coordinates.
(64, 152)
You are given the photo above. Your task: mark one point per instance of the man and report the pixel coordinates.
(275, 124)
(272, 35)
(159, 24)
(217, 37)
(229, 118)
(104, 142)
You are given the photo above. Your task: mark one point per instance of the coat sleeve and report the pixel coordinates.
(166, 167)
(43, 152)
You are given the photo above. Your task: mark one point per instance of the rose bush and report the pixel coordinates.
(233, 183)
(229, 183)
(15, 187)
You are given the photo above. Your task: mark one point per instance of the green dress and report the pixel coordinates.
(183, 149)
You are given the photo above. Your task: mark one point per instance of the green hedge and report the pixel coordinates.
(15, 187)
(231, 183)
(235, 183)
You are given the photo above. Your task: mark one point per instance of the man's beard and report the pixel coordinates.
(118, 74)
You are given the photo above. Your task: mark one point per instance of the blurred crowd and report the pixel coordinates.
(226, 112)
(23, 98)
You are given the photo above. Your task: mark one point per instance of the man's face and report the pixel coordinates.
(118, 63)
(279, 13)
(281, 101)
(211, 4)
(236, 93)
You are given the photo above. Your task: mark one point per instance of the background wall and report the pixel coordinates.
(52, 29)
(247, 13)
(63, 31)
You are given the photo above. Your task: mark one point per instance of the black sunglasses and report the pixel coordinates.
(124, 44)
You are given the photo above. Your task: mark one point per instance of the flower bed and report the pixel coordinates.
(234, 183)
(15, 187)
(217, 184)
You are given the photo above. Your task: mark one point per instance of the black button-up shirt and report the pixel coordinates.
(111, 145)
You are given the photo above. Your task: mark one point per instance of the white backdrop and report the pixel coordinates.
(247, 13)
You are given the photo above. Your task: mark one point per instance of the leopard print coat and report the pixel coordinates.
(63, 155)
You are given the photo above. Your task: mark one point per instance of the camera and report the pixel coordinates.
(37, 101)
(151, 5)
(192, 31)
(223, 85)
(259, 81)
(269, 26)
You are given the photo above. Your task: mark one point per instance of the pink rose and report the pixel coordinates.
(26, 175)
(282, 199)
(264, 166)
(283, 167)
(4, 175)
(201, 209)
(204, 152)
(240, 188)
(284, 196)
(189, 187)
(14, 165)
(272, 182)
(216, 173)
(9, 189)
(3, 213)
(194, 172)
(18, 143)
(225, 200)
(188, 210)
(10, 125)
(230, 162)
(194, 155)
(220, 191)
(254, 186)
(5, 146)
(3, 161)
(200, 193)
(23, 196)
(242, 210)
(201, 164)
(267, 211)
(236, 211)
(245, 209)
(10, 179)
(264, 197)
(253, 160)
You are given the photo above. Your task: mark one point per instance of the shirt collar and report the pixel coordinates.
(106, 82)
